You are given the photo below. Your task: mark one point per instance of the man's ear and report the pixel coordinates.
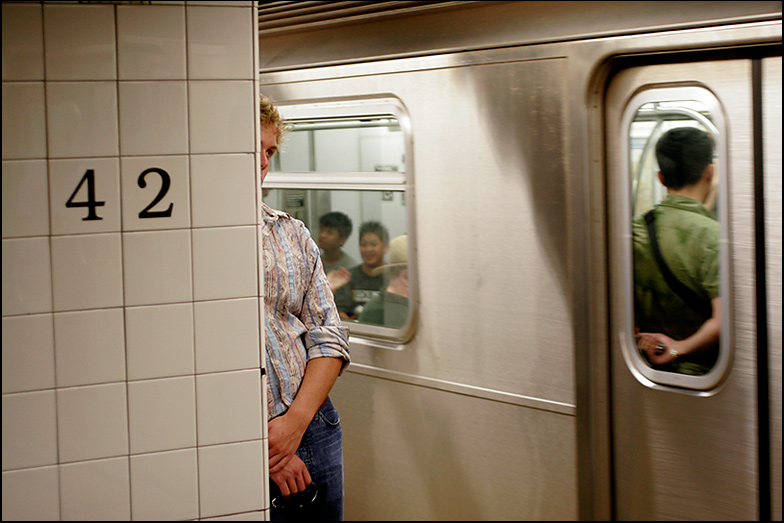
(661, 178)
(708, 173)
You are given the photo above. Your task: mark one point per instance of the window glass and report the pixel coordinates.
(345, 176)
(676, 236)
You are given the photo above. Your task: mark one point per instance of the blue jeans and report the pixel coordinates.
(321, 449)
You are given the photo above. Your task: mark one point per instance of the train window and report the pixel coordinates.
(676, 148)
(344, 170)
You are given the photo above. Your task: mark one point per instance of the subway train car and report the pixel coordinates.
(512, 143)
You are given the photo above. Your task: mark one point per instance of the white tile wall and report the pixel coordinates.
(224, 263)
(28, 353)
(172, 210)
(226, 335)
(223, 419)
(165, 486)
(25, 200)
(223, 190)
(132, 384)
(24, 120)
(65, 176)
(95, 490)
(151, 43)
(227, 478)
(162, 414)
(89, 347)
(81, 119)
(29, 430)
(159, 341)
(92, 422)
(157, 267)
(23, 43)
(153, 118)
(27, 276)
(31, 494)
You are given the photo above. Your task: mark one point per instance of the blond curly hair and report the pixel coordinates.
(271, 116)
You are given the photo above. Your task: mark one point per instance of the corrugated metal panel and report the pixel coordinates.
(294, 15)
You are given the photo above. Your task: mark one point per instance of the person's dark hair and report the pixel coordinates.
(683, 153)
(338, 221)
(376, 228)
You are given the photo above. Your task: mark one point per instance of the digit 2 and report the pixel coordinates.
(166, 183)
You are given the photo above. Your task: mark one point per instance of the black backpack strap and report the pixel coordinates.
(685, 293)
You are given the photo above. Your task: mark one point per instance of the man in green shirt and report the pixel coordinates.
(673, 332)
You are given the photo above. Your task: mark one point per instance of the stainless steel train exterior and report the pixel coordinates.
(512, 394)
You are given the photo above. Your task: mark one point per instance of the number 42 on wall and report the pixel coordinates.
(91, 203)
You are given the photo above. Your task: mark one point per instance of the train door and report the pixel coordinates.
(692, 444)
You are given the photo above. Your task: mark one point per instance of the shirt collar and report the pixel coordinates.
(271, 215)
(687, 204)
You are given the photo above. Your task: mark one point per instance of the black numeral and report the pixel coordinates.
(166, 182)
(91, 204)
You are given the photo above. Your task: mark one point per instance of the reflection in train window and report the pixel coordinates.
(674, 158)
(343, 172)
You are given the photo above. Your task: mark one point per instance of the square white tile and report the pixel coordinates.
(224, 189)
(28, 353)
(228, 407)
(166, 185)
(221, 117)
(25, 198)
(80, 42)
(92, 422)
(96, 490)
(165, 486)
(89, 347)
(159, 341)
(24, 121)
(23, 42)
(29, 430)
(27, 276)
(84, 195)
(227, 335)
(230, 478)
(220, 43)
(87, 271)
(162, 414)
(151, 42)
(157, 267)
(32, 495)
(153, 118)
(224, 263)
(82, 119)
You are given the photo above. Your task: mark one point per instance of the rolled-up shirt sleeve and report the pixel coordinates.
(325, 336)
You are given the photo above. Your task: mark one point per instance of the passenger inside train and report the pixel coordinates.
(676, 267)
(390, 307)
(334, 229)
(363, 283)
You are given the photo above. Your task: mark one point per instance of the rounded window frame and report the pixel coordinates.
(636, 364)
(348, 108)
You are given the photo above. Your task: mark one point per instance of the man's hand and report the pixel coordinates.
(292, 478)
(284, 436)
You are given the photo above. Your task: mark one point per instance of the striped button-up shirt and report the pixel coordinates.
(301, 320)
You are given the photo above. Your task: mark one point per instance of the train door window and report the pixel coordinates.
(676, 158)
(346, 162)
